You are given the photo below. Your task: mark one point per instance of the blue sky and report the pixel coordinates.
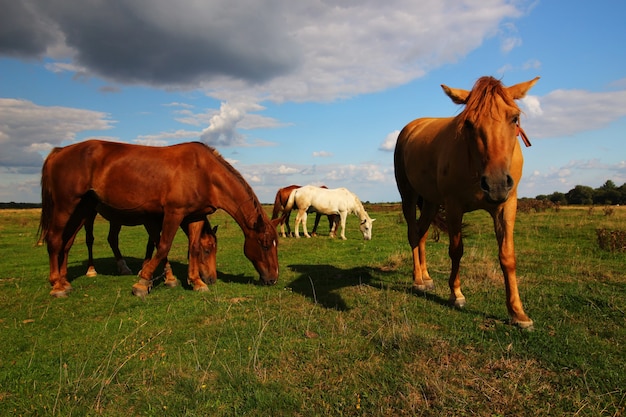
(308, 92)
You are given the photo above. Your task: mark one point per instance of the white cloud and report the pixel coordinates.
(322, 154)
(165, 138)
(27, 129)
(389, 144)
(567, 112)
(285, 170)
(291, 51)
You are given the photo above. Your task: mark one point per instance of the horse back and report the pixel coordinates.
(425, 150)
(130, 177)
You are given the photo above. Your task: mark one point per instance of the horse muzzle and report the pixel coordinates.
(497, 188)
(268, 280)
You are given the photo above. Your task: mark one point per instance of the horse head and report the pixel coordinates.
(261, 248)
(490, 124)
(366, 227)
(208, 253)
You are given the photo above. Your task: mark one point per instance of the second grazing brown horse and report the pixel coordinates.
(464, 163)
(201, 253)
(181, 183)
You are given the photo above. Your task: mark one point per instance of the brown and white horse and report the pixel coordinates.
(202, 259)
(339, 201)
(282, 195)
(464, 163)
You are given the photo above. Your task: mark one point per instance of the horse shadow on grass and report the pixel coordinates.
(321, 284)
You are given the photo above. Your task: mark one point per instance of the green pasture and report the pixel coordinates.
(341, 334)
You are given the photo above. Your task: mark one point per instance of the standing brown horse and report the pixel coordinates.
(201, 259)
(182, 182)
(464, 163)
(280, 201)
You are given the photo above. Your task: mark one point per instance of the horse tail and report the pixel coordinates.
(47, 202)
(277, 206)
(439, 221)
(289, 205)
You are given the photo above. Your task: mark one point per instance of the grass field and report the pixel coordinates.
(340, 334)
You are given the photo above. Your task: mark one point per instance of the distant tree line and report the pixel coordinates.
(607, 194)
(13, 205)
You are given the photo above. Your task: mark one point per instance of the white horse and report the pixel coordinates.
(336, 201)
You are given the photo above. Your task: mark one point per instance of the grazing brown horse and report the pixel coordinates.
(201, 259)
(280, 201)
(181, 183)
(464, 163)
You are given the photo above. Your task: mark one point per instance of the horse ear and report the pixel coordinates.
(457, 95)
(276, 222)
(214, 230)
(518, 91)
(373, 220)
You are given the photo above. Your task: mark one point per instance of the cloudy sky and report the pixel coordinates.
(308, 91)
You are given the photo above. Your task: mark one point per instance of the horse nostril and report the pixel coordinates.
(483, 184)
(509, 181)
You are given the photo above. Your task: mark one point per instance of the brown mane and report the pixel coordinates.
(236, 174)
(481, 102)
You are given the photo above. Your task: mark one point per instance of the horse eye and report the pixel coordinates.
(516, 119)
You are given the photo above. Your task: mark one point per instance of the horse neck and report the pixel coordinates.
(243, 208)
(231, 193)
(359, 210)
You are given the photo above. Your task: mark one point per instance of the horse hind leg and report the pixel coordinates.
(89, 239)
(114, 242)
(417, 232)
(342, 218)
(60, 239)
(304, 229)
(318, 216)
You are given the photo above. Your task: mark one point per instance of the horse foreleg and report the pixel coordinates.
(454, 220)
(194, 232)
(154, 235)
(504, 221)
(343, 215)
(168, 231)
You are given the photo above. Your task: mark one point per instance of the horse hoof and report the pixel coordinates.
(91, 272)
(458, 302)
(524, 325)
(140, 290)
(201, 288)
(171, 283)
(58, 293)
